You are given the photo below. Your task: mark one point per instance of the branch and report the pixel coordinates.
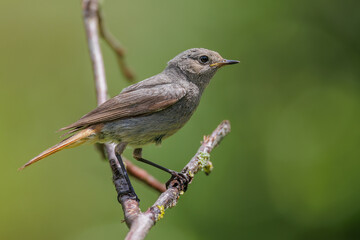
(92, 21)
(90, 8)
(141, 223)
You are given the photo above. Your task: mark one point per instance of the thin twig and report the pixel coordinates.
(116, 47)
(141, 223)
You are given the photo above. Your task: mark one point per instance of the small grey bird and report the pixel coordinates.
(148, 111)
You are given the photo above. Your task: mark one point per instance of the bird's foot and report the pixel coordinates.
(178, 179)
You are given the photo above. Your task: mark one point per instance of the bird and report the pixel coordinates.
(148, 111)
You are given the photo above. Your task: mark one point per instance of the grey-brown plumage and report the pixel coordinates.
(151, 110)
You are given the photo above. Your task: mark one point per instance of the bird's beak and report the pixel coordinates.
(223, 63)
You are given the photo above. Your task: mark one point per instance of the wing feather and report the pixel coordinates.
(131, 103)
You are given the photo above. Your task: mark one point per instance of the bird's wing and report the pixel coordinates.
(131, 103)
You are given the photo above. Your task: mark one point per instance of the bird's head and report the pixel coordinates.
(199, 63)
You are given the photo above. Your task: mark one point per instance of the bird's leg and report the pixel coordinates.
(179, 177)
(121, 179)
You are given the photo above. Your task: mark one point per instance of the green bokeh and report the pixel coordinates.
(289, 169)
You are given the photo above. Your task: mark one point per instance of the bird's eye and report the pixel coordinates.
(204, 59)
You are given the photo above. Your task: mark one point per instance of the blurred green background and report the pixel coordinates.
(289, 169)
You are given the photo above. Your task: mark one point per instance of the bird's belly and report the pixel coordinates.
(142, 130)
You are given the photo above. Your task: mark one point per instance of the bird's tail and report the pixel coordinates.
(73, 141)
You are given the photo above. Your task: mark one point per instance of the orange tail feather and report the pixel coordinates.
(73, 141)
